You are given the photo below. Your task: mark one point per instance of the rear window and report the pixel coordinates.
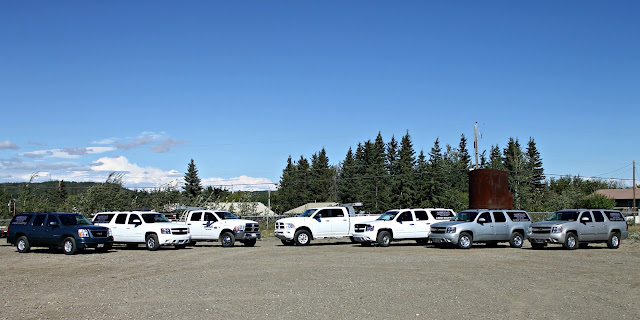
(442, 214)
(421, 215)
(22, 219)
(104, 218)
(614, 215)
(518, 216)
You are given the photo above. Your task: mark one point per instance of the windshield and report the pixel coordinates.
(154, 217)
(308, 213)
(564, 216)
(465, 216)
(73, 220)
(227, 215)
(388, 216)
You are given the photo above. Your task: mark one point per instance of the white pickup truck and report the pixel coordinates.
(223, 226)
(402, 224)
(150, 228)
(319, 223)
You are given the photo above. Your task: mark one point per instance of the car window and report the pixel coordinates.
(133, 217)
(38, 221)
(21, 219)
(52, 218)
(209, 216)
(587, 215)
(405, 216)
(614, 215)
(597, 216)
(442, 214)
(73, 220)
(421, 215)
(121, 218)
(196, 216)
(499, 216)
(104, 218)
(486, 216)
(518, 216)
(337, 213)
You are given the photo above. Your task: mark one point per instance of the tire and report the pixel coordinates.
(538, 246)
(287, 242)
(23, 245)
(571, 242)
(614, 240)
(384, 238)
(227, 239)
(302, 238)
(250, 243)
(152, 242)
(465, 241)
(365, 244)
(69, 246)
(516, 240)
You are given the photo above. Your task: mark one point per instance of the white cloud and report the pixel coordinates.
(166, 145)
(66, 153)
(241, 183)
(134, 174)
(6, 144)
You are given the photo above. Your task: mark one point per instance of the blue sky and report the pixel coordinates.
(141, 87)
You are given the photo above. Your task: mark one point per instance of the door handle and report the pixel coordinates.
(411, 224)
(344, 220)
(492, 226)
(188, 224)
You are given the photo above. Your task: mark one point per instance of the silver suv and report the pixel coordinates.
(482, 225)
(578, 227)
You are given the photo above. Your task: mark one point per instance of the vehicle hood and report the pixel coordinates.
(295, 220)
(89, 226)
(167, 225)
(378, 222)
(448, 223)
(236, 222)
(548, 223)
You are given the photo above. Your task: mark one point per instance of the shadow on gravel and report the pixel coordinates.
(59, 251)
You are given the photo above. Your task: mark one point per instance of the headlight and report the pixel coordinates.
(451, 229)
(165, 231)
(289, 225)
(368, 228)
(530, 230)
(556, 229)
(239, 228)
(83, 233)
(109, 233)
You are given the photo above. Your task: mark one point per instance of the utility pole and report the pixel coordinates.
(475, 142)
(635, 207)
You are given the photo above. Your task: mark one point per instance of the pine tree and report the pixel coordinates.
(422, 182)
(406, 190)
(347, 187)
(285, 197)
(378, 174)
(495, 159)
(437, 185)
(192, 186)
(515, 164)
(321, 177)
(303, 193)
(535, 172)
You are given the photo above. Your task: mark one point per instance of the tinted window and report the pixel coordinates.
(421, 215)
(121, 218)
(38, 221)
(208, 216)
(228, 215)
(337, 213)
(196, 216)
(133, 217)
(104, 218)
(465, 216)
(518, 216)
(23, 219)
(154, 217)
(405, 216)
(499, 217)
(442, 214)
(73, 220)
(597, 216)
(614, 215)
(52, 218)
(587, 215)
(486, 216)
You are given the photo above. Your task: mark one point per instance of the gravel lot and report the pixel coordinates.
(327, 280)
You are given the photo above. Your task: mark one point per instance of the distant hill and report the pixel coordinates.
(73, 188)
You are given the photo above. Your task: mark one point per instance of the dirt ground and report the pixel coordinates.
(330, 279)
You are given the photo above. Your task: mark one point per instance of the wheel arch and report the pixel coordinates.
(305, 228)
(387, 230)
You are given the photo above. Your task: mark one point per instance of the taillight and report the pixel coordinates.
(627, 225)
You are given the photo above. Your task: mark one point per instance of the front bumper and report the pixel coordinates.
(444, 238)
(93, 242)
(365, 236)
(173, 239)
(241, 235)
(285, 234)
(546, 237)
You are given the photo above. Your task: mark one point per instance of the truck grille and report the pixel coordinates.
(252, 228)
(99, 233)
(438, 229)
(359, 227)
(279, 225)
(179, 231)
(541, 229)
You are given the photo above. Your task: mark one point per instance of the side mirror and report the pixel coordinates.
(585, 219)
(53, 224)
(399, 221)
(137, 221)
(482, 220)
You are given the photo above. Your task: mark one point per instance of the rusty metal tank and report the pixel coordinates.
(489, 189)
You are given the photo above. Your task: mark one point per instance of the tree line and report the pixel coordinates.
(386, 175)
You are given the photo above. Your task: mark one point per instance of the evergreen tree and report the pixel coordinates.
(378, 174)
(437, 186)
(534, 165)
(495, 159)
(515, 164)
(285, 197)
(422, 182)
(406, 190)
(321, 177)
(347, 188)
(303, 194)
(192, 186)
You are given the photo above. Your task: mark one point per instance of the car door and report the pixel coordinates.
(602, 228)
(321, 223)
(485, 231)
(501, 226)
(405, 226)
(196, 225)
(211, 226)
(339, 223)
(586, 227)
(135, 230)
(119, 228)
(37, 235)
(422, 224)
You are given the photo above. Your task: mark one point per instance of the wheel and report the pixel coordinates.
(152, 242)
(614, 241)
(227, 239)
(538, 246)
(571, 242)
(250, 243)
(23, 245)
(423, 242)
(302, 238)
(516, 240)
(384, 238)
(365, 244)
(107, 247)
(465, 241)
(287, 242)
(69, 245)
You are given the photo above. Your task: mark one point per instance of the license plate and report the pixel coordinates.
(538, 241)
(100, 245)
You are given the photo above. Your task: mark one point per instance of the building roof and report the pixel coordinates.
(310, 205)
(619, 194)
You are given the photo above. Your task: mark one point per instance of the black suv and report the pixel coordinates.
(69, 231)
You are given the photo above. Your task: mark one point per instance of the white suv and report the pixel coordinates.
(151, 228)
